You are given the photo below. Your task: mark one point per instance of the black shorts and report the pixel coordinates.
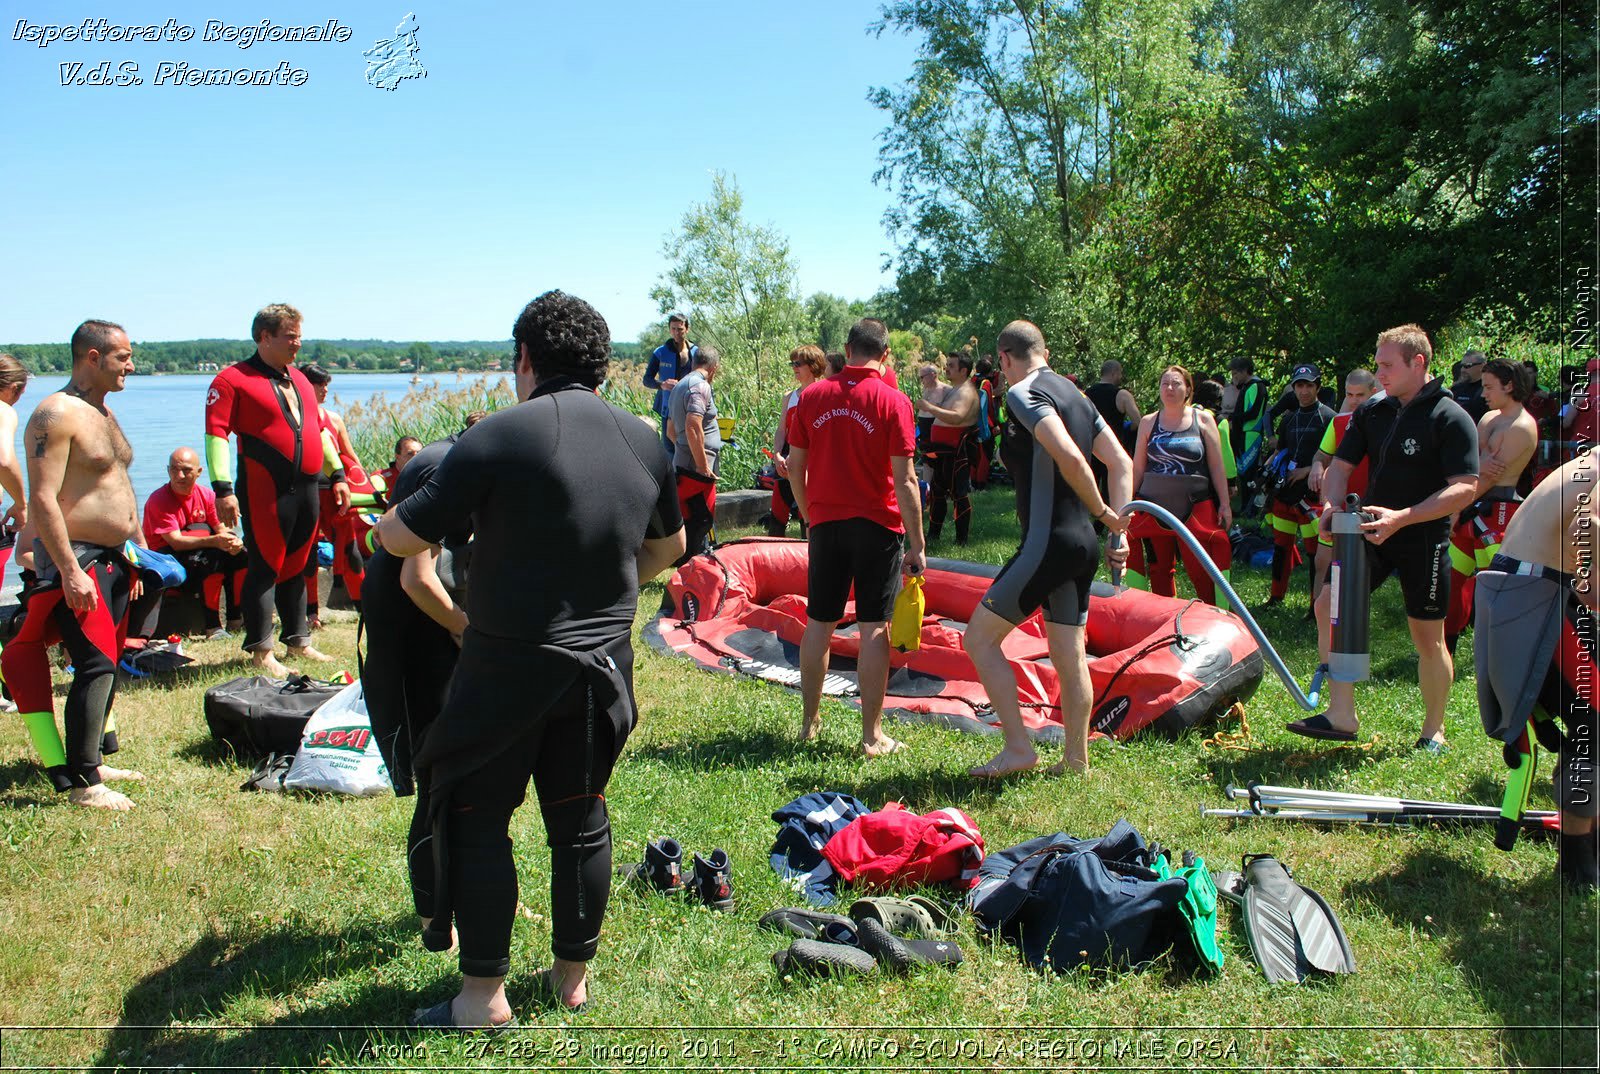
(853, 551)
(1048, 574)
(1424, 571)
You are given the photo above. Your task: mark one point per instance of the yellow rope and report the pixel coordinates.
(1241, 741)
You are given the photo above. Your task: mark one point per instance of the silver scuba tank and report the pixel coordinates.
(1350, 596)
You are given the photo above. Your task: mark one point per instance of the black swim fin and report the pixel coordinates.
(1292, 931)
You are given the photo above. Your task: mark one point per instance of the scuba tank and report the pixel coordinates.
(1350, 596)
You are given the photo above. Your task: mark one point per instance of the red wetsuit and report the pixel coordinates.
(280, 457)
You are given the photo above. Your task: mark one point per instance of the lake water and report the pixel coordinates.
(161, 414)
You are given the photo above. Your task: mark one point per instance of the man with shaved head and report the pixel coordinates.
(180, 519)
(1052, 432)
(82, 508)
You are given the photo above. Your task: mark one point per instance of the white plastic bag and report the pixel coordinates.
(338, 752)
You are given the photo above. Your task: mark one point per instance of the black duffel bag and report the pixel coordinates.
(258, 715)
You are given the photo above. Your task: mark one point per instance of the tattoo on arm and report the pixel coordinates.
(39, 425)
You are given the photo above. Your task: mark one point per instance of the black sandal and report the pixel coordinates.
(438, 1016)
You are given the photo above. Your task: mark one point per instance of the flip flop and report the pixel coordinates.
(805, 924)
(438, 1016)
(1318, 727)
(1433, 746)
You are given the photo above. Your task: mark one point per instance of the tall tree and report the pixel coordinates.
(736, 281)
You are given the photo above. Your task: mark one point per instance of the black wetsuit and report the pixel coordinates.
(1414, 449)
(1104, 398)
(409, 661)
(1059, 554)
(562, 491)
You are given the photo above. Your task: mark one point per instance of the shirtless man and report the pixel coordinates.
(951, 447)
(82, 507)
(1535, 644)
(1507, 438)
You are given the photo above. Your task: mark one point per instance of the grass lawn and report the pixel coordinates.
(216, 928)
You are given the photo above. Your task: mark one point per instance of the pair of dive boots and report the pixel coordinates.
(896, 936)
(710, 879)
(1292, 931)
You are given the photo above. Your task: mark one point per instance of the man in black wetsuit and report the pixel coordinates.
(1423, 451)
(545, 678)
(1051, 432)
(1468, 391)
(1292, 514)
(413, 614)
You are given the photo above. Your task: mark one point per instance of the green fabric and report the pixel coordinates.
(1199, 909)
(1230, 465)
(219, 460)
(46, 739)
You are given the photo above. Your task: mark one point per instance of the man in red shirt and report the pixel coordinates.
(850, 455)
(180, 519)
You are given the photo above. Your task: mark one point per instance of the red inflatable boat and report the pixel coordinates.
(1156, 662)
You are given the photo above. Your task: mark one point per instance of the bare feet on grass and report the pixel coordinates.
(1076, 765)
(100, 797)
(107, 774)
(881, 746)
(1005, 763)
(810, 729)
(266, 661)
(306, 652)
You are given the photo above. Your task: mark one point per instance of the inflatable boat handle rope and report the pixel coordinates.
(1307, 700)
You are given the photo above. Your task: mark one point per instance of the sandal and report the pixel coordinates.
(805, 924)
(438, 1016)
(916, 914)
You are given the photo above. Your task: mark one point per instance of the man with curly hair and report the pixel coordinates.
(544, 684)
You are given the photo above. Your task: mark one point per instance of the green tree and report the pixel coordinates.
(736, 281)
(829, 318)
(421, 356)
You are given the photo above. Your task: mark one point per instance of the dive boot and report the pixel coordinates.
(661, 870)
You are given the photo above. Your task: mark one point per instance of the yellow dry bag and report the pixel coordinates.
(905, 630)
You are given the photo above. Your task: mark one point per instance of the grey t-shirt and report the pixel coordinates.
(691, 401)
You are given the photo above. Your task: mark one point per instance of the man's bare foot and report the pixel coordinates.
(569, 983)
(455, 940)
(313, 622)
(1005, 763)
(810, 729)
(107, 773)
(100, 797)
(267, 662)
(881, 746)
(306, 652)
(1079, 765)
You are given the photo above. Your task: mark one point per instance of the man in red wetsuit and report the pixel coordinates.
(405, 449)
(270, 406)
(82, 507)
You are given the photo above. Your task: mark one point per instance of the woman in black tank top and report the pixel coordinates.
(1177, 463)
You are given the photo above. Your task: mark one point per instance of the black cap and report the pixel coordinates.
(1305, 372)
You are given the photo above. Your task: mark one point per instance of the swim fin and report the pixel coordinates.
(1292, 931)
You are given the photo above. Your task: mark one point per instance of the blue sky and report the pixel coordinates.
(550, 145)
